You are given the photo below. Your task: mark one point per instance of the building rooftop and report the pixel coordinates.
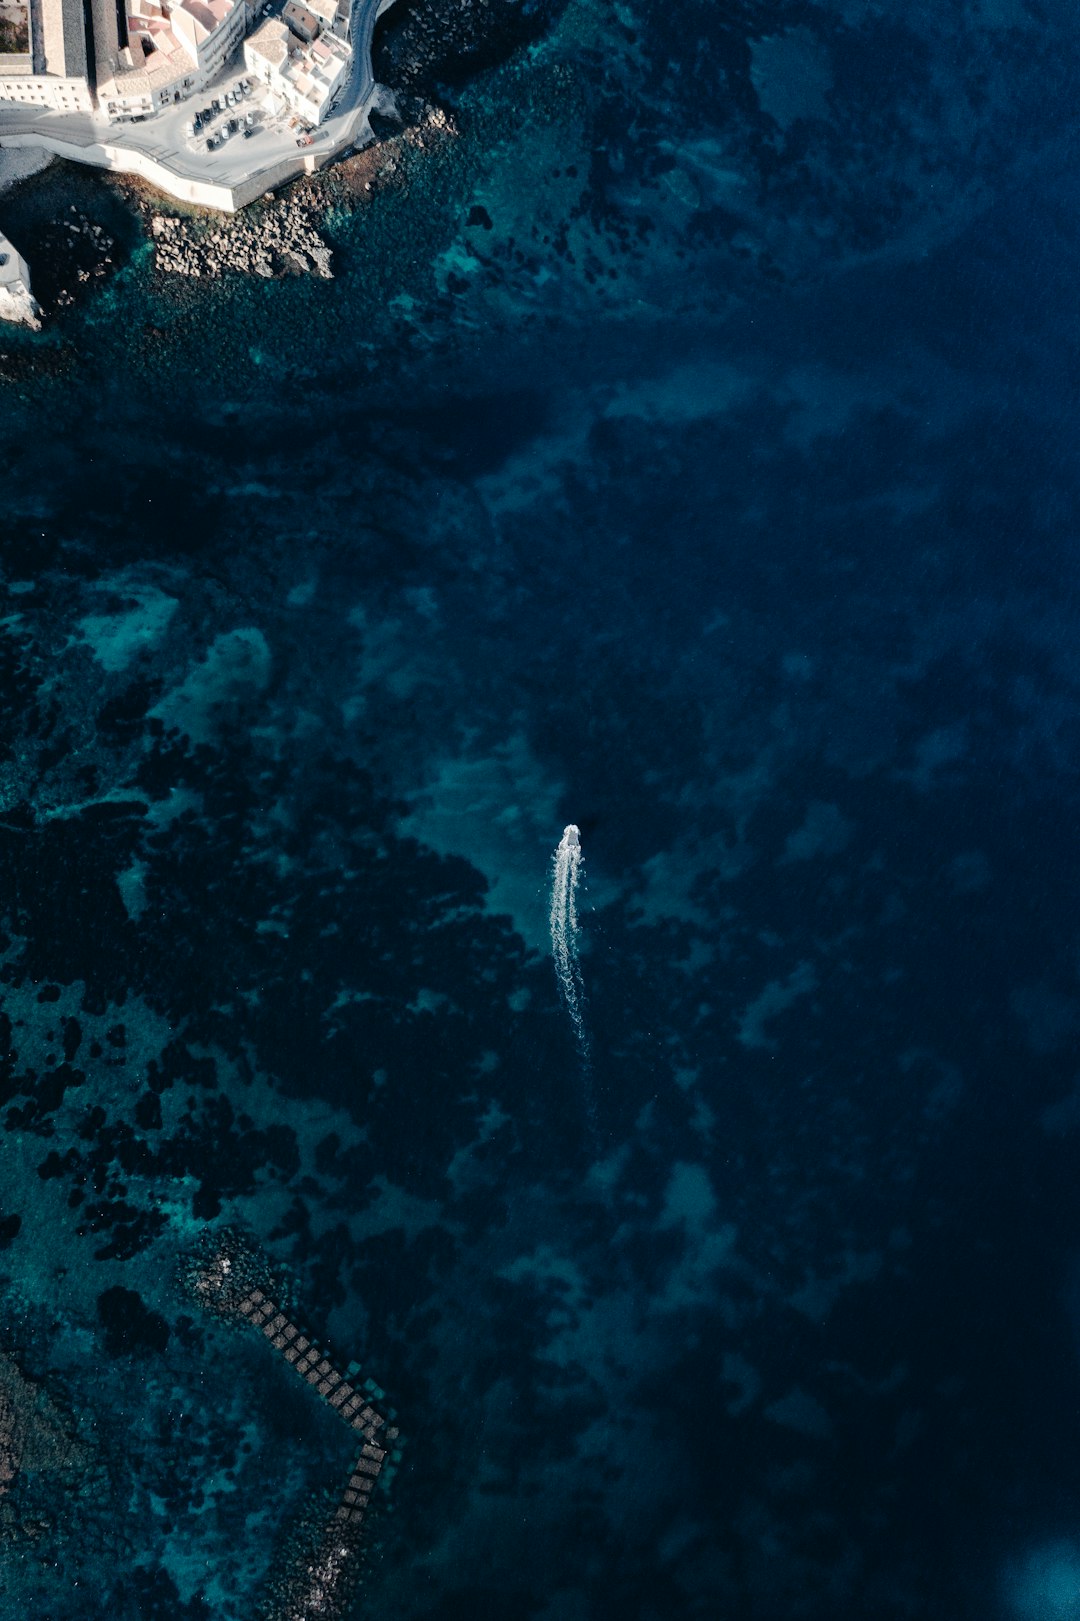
(63, 38)
(271, 42)
(207, 14)
(302, 18)
(143, 70)
(155, 56)
(313, 69)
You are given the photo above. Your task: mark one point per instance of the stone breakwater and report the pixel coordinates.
(231, 1281)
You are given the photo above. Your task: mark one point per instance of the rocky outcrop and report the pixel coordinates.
(71, 252)
(277, 240)
(80, 251)
(20, 306)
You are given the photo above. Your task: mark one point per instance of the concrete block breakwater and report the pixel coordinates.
(347, 1401)
(231, 1282)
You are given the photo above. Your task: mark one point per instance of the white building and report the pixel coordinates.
(61, 94)
(301, 20)
(54, 74)
(266, 52)
(305, 74)
(140, 55)
(17, 302)
(310, 18)
(174, 48)
(314, 74)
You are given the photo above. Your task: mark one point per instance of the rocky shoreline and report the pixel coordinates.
(281, 242)
(89, 249)
(281, 236)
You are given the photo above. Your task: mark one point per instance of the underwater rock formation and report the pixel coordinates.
(35, 1435)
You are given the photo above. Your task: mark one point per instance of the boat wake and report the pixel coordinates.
(566, 871)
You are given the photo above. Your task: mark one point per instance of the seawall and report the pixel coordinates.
(210, 194)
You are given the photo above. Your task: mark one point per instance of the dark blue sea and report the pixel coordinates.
(686, 450)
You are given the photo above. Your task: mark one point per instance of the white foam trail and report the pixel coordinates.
(566, 870)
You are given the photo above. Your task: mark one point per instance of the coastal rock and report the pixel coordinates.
(320, 260)
(72, 253)
(278, 240)
(21, 309)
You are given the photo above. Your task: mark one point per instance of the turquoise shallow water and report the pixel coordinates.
(685, 451)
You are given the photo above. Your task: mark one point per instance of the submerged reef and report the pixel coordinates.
(318, 1575)
(54, 1472)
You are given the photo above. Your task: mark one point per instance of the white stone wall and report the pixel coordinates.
(17, 302)
(45, 90)
(219, 46)
(211, 194)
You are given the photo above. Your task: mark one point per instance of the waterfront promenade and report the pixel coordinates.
(161, 153)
